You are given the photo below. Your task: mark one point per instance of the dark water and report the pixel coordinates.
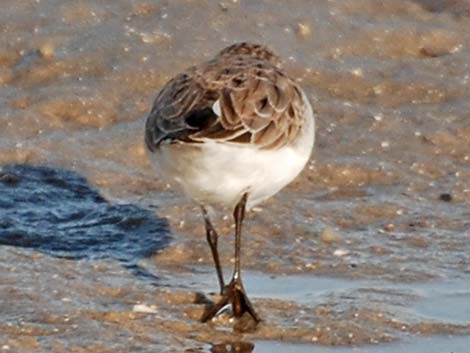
(56, 211)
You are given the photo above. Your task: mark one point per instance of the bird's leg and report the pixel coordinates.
(235, 293)
(212, 237)
(240, 301)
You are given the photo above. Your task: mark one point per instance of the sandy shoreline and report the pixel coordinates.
(94, 239)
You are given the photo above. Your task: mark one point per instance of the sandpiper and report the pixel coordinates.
(231, 132)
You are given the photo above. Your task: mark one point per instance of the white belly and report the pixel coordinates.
(220, 173)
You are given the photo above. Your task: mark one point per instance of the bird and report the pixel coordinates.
(230, 133)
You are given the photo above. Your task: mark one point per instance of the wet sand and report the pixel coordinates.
(368, 248)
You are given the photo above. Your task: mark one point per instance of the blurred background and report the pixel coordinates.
(369, 245)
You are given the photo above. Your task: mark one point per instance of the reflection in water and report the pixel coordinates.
(57, 212)
(232, 347)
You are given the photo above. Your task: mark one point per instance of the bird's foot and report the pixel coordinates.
(234, 294)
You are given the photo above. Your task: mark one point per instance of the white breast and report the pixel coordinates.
(220, 173)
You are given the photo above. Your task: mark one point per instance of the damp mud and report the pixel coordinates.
(366, 251)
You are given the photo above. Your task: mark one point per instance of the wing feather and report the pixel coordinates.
(259, 105)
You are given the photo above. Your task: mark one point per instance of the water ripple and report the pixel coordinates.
(58, 212)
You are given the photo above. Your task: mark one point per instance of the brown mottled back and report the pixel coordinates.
(259, 104)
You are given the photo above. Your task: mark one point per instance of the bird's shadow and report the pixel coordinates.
(57, 212)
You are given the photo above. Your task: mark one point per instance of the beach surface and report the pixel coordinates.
(367, 250)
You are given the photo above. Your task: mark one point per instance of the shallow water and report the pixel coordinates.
(97, 254)
(438, 300)
(429, 345)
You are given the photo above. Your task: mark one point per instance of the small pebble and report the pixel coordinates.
(358, 72)
(303, 30)
(340, 252)
(378, 117)
(378, 90)
(47, 50)
(446, 197)
(142, 308)
(330, 236)
(223, 6)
